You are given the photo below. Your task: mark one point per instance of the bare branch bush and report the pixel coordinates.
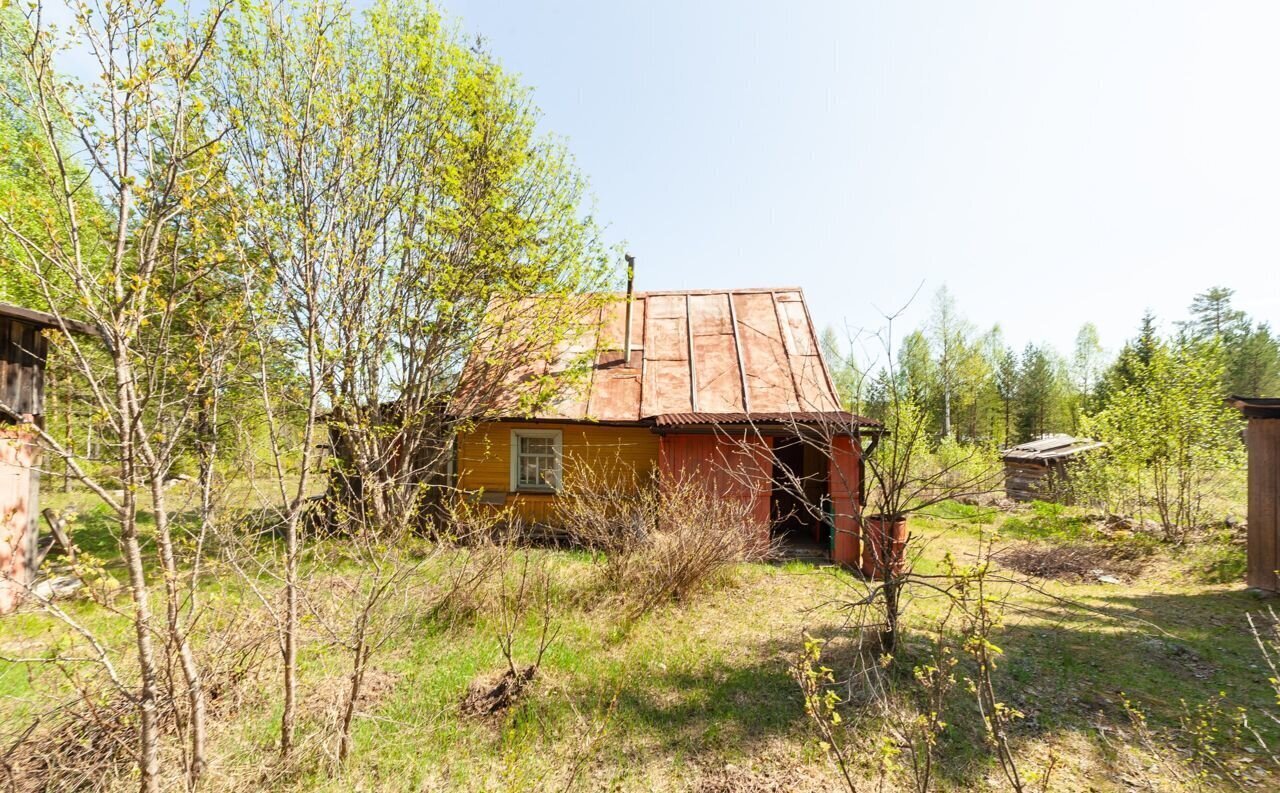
(910, 711)
(662, 538)
(530, 595)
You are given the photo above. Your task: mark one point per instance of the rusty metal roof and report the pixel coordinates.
(751, 352)
(1052, 447)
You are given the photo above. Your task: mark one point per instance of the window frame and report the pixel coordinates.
(557, 436)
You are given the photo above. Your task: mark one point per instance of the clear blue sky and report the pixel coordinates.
(1052, 163)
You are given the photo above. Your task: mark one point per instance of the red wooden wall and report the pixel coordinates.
(740, 468)
(844, 477)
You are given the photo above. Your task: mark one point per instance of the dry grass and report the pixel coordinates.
(661, 541)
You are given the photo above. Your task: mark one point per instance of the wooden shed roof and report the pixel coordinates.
(42, 320)
(740, 353)
(1053, 447)
(1256, 407)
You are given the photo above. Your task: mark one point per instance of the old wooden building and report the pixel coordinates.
(1262, 437)
(23, 352)
(726, 385)
(1040, 470)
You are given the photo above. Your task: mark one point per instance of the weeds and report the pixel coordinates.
(661, 540)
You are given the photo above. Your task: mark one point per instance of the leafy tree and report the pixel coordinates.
(1213, 316)
(1087, 366)
(948, 335)
(844, 373)
(917, 372)
(1251, 355)
(1135, 355)
(1042, 403)
(414, 220)
(30, 176)
(1254, 369)
(1170, 428)
(1006, 387)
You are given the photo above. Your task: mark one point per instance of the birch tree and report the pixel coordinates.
(411, 220)
(134, 268)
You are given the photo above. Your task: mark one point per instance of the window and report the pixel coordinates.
(535, 460)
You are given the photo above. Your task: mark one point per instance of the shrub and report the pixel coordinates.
(662, 539)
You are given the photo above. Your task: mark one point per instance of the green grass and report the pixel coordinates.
(694, 686)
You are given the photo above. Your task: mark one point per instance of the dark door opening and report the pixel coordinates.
(798, 500)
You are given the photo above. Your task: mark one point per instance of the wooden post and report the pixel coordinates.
(1262, 437)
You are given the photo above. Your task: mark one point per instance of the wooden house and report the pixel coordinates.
(1040, 470)
(23, 351)
(727, 385)
(1262, 438)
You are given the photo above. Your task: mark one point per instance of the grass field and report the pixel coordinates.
(698, 695)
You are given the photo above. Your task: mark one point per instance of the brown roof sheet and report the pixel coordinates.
(750, 352)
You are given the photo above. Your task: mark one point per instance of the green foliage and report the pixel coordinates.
(1043, 398)
(1169, 433)
(428, 203)
(1047, 521)
(30, 212)
(1250, 354)
(847, 378)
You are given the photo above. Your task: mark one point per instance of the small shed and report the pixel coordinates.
(1262, 437)
(23, 351)
(1039, 470)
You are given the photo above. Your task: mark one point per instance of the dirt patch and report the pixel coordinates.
(494, 693)
(736, 779)
(1079, 563)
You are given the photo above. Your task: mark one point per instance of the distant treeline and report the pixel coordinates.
(974, 387)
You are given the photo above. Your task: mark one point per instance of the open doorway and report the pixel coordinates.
(798, 499)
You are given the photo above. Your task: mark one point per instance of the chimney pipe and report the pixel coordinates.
(631, 281)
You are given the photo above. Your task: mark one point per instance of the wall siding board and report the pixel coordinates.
(1263, 438)
(736, 468)
(844, 486)
(484, 460)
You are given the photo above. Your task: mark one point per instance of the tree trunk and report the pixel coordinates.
(290, 648)
(177, 632)
(889, 636)
(946, 411)
(148, 729)
(360, 658)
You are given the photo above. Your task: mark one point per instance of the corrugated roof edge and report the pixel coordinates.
(727, 291)
(700, 419)
(833, 418)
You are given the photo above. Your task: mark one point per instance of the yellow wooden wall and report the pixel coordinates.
(484, 459)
